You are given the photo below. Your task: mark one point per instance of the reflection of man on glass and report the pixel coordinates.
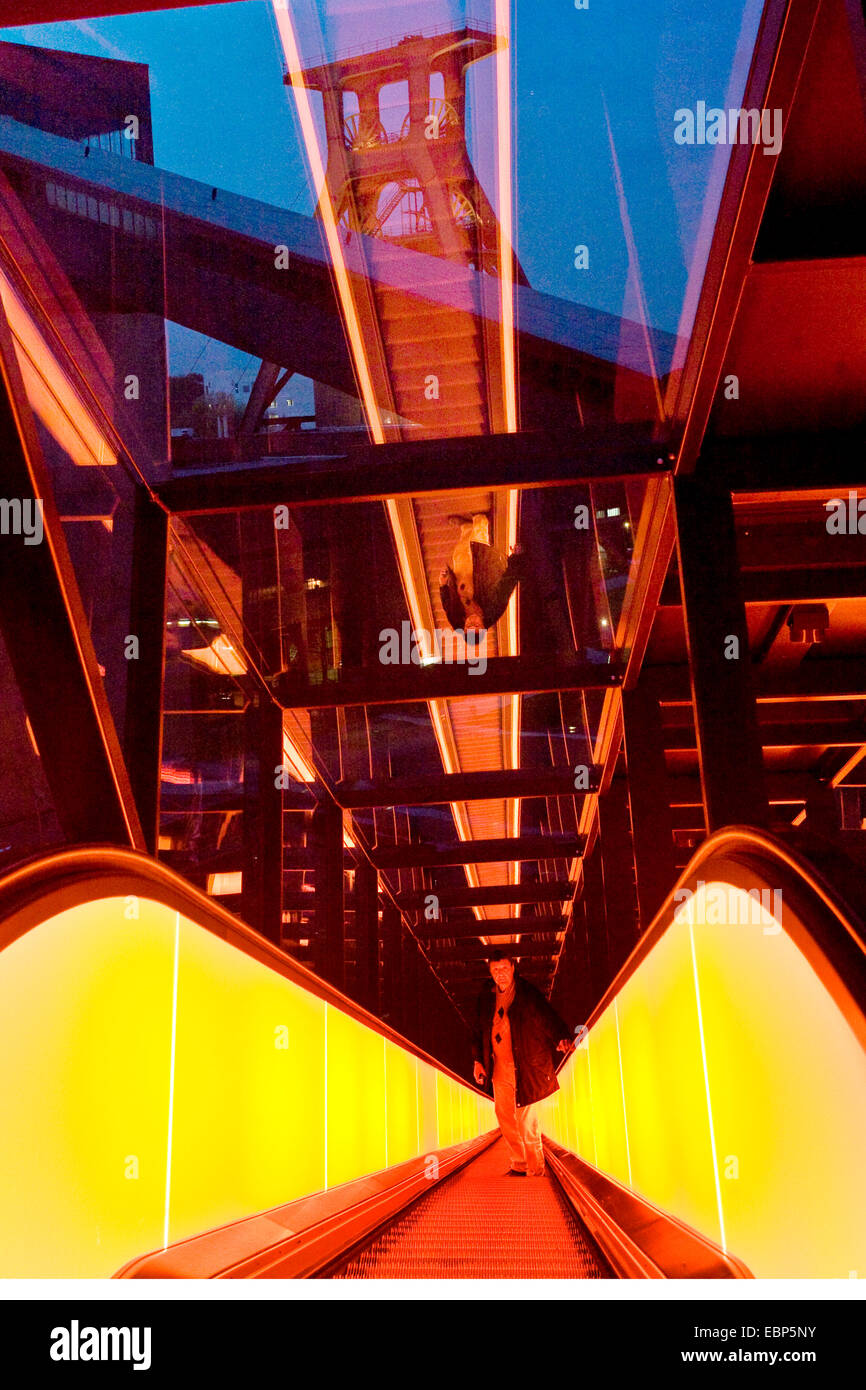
(476, 586)
(516, 1040)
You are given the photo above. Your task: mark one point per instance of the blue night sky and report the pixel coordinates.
(222, 114)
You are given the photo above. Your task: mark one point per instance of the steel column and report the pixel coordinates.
(326, 833)
(366, 903)
(142, 734)
(262, 882)
(649, 795)
(729, 745)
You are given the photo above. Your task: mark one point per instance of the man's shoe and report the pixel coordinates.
(515, 1173)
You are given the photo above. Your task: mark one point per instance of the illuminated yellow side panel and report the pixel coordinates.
(463, 1111)
(665, 1092)
(610, 1135)
(553, 1113)
(427, 1096)
(788, 1086)
(484, 1116)
(444, 1109)
(84, 1089)
(563, 1108)
(454, 1101)
(356, 1099)
(401, 1073)
(470, 1105)
(469, 1113)
(744, 1092)
(249, 1113)
(160, 1082)
(581, 1084)
(456, 1114)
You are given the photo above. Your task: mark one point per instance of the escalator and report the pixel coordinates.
(187, 1101)
(482, 1224)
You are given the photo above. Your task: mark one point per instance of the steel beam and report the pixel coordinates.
(600, 971)
(508, 850)
(828, 460)
(262, 882)
(403, 683)
(788, 584)
(832, 678)
(649, 798)
(460, 786)
(391, 965)
(783, 789)
(366, 906)
(494, 926)
(832, 733)
(142, 733)
(443, 955)
(370, 473)
(729, 749)
(615, 843)
(557, 891)
(326, 833)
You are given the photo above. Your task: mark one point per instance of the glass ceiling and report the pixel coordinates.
(252, 233)
(520, 241)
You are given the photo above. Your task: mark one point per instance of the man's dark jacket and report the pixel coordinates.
(493, 580)
(536, 1028)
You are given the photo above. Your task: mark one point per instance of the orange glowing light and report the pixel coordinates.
(49, 390)
(505, 229)
(220, 656)
(294, 759)
(329, 221)
(224, 885)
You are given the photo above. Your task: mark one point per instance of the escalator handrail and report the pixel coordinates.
(39, 887)
(832, 932)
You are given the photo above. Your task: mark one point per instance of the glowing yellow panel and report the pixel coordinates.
(85, 1031)
(608, 1116)
(552, 1118)
(445, 1110)
(743, 1087)
(401, 1068)
(581, 1094)
(356, 1099)
(787, 1080)
(458, 1114)
(566, 1114)
(666, 1098)
(164, 1083)
(249, 1114)
(427, 1104)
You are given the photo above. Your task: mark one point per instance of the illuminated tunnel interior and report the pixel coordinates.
(207, 1108)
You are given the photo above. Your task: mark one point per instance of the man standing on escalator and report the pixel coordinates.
(517, 1037)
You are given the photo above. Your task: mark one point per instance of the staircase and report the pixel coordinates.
(423, 340)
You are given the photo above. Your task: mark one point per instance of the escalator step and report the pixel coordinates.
(482, 1224)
